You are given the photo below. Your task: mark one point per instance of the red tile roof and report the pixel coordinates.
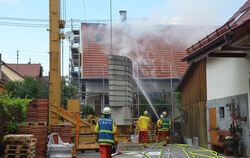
(33, 70)
(236, 20)
(158, 54)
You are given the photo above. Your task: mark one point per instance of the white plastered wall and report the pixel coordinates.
(227, 77)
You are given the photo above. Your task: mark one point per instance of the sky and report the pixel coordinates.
(31, 37)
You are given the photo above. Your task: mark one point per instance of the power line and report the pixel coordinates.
(84, 10)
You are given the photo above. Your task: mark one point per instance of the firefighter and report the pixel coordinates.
(159, 128)
(142, 126)
(106, 133)
(165, 127)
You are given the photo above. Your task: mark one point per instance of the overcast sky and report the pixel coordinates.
(32, 40)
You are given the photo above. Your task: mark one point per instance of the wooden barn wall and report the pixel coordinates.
(194, 99)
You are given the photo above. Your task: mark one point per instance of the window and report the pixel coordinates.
(222, 112)
(99, 38)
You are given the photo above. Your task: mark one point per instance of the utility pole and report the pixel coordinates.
(17, 57)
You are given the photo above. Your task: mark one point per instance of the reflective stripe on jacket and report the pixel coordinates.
(143, 123)
(105, 131)
(159, 124)
(165, 124)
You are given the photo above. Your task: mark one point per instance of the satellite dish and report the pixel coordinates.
(69, 36)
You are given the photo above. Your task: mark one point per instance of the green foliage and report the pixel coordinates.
(7, 100)
(87, 110)
(28, 88)
(8, 103)
(177, 95)
(69, 91)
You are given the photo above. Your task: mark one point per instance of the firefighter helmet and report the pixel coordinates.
(107, 110)
(164, 113)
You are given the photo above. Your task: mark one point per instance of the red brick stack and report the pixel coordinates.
(31, 113)
(64, 132)
(40, 133)
(38, 111)
(42, 110)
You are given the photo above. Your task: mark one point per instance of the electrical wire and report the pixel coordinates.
(84, 10)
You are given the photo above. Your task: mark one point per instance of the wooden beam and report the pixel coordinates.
(229, 55)
(237, 48)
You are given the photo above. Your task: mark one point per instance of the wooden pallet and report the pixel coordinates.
(17, 147)
(30, 155)
(20, 141)
(20, 149)
(18, 136)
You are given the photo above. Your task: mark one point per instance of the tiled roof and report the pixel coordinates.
(159, 56)
(33, 70)
(239, 18)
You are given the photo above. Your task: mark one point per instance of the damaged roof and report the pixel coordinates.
(157, 55)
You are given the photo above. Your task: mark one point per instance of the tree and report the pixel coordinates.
(86, 110)
(28, 88)
(69, 91)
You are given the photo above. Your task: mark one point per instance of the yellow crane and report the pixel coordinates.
(83, 129)
(55, 110)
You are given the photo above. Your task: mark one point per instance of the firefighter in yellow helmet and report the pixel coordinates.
(106, 134)
(159, 128)
(142, 126)
(165, 127)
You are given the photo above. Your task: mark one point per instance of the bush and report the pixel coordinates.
(87, 110)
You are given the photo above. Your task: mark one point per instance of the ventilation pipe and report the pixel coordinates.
(123, 15)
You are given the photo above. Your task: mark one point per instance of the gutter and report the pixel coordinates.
(209, 48)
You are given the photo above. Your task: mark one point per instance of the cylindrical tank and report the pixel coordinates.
(120, 89)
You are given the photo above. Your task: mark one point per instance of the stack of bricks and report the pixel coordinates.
(40, 133)
(37, 117)
(64, 132)
(38, 111)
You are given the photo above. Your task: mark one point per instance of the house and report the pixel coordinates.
(9, 74)
(15, 72)
(216, 84)
(32, 70)
(156, 58)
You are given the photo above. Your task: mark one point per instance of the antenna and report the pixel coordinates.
(17, 57)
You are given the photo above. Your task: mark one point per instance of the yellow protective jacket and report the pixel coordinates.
(143, 123)
(159, 125)
(115, 133)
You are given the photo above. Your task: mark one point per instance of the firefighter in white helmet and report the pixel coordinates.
(165, 127)
(142, 126)
(106, 133)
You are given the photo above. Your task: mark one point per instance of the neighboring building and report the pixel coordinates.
(32, 70)
(17, 72)
(217, 81)
(9, 74)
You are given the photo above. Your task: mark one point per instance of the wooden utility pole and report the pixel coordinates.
(55, 59)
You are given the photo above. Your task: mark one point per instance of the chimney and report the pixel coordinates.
(123, 15)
